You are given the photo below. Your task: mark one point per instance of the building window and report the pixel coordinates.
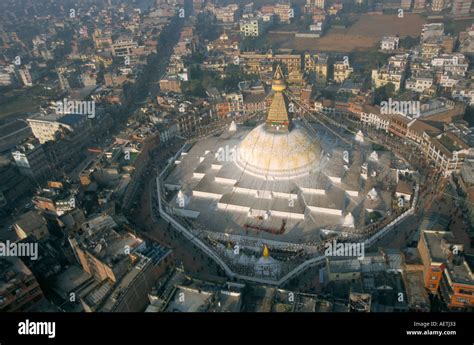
(462, 300)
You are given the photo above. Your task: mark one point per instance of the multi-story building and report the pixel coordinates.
(284, 12)
(446, 150)
(102, 39)
(437, 5)
(255, 25)
(225, 14)
(183, 48)
(342, 71)
(257, 63)
(19, 290)
(63, 80)
(130, 294)
(433, 30)
(170, 83)
(406, 4)
(417, 127)
(31, 223)
(317, 28)
(6, 75)
(225, 44)
(315, 4)
(393, 72)
(398, 125)
(372, 116)
(461, 7)
(430, 49)
(317, 64)
(464, 92)
(13, 133)
(52, 127)
(198, 5)
(236, 102)
(466, 41)
(455, 63)
(389, 43)
(102, 251)
(32, 161)
(432, 247)
(291, 61)
(13, 187)
(254, 99)
(445, 270)
(335, 8)
(310, 62)
(470, 205)
(124, 46)
(188, 123)
(448, 81)
(419, 83)
(419, 5)
(25, 76)
(399, 61)
(231, 104)
(384, 76)
(55, 201)
(251, 27)
(466, 177)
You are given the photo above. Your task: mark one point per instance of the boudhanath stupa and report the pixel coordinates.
(284, 186)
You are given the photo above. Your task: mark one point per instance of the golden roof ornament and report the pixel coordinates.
(266, 252)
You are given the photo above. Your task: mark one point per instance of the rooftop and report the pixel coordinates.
(30, 221)
(439, 244)
(12, 271)
(459, 272)
(13, 127)
(101, 239)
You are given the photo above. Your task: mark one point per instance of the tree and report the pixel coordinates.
(196, 89)
(385, 92)
(408, 42)
(206, 27)
(469, 116)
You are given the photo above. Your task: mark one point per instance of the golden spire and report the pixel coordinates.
(278, 83)
(278, 73)
(277, 116)
(266, 252)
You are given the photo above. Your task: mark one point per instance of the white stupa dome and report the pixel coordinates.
(280, 155)
(279, 149)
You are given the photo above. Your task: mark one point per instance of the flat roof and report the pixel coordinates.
(12, 127)
(435, 241)
(30, 221)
